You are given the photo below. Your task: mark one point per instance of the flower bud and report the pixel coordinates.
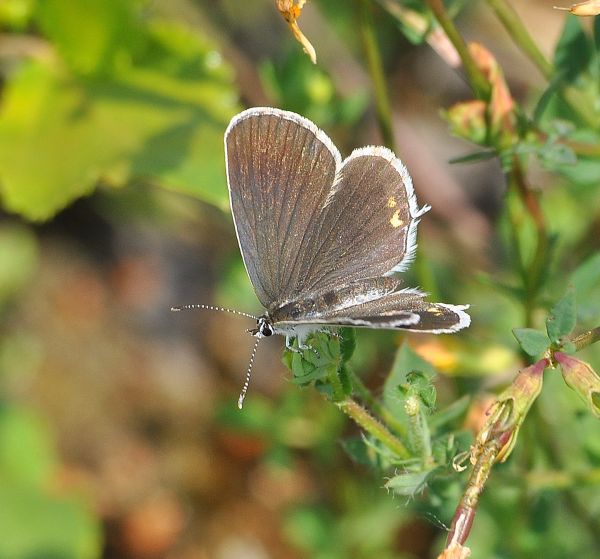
(582, 378)
(589, 8)
(509, 411)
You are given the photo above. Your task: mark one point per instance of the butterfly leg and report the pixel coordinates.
(289, 344)
(301, 345)
(332, 333)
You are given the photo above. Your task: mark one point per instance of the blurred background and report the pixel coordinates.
(119, 430)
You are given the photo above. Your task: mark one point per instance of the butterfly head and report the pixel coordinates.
(263, 328)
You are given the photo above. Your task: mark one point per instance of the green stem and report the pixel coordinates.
(531, 203)
(377, 407)
(375, 66)
(337, 386)
(515, 28)
(479, 84)
(366, 421)
(419, 430)
(587, 338)
(515, 227)
(532, 273)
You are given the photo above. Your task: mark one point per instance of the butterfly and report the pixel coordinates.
(322, 239)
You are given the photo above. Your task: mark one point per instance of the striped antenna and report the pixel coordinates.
(211, 308)
(248, 372)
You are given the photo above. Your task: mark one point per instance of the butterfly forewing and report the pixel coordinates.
(280, 170)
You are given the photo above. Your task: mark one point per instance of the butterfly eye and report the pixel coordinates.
(265, 329)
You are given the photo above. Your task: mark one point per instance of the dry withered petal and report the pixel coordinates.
(589, 8)
(291, 10)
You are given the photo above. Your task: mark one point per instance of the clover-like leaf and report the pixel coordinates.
(409, 483)
(532, 342)
(562, 317)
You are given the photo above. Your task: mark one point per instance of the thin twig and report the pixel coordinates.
(578, 102)
(587, 338)
(375, 66)
(477, 81)
(515, 28)
(465, 511)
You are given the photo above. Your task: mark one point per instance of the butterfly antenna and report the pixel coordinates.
(211, 308)
(248, 373)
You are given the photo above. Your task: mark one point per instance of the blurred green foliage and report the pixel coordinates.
(114, 94)
(122, 96)
(35, 520)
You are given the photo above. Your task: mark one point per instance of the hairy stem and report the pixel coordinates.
(372, 426)
(377, 407)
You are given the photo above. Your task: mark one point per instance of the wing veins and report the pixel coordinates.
(289, 223)
(340, 215)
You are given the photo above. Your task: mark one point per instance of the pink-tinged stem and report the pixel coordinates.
(465, 511)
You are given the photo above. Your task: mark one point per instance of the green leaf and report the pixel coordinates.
(446, 447)
(36, 521)
(294, 83)
(409, 484)
(164, 119)
(37, 524)
(533, 342)
(514, 291)
(449, 414)
(362, 453)
(573, 50)
(557, 154)
(587, 169)
(414, 21)
(319, 363)
(347, 343)
(474, 157)
(563, 317)
(552, 89)
(16, 14)
(26, 456)
(420, 385)
(596, 37)
(568, 347)
(91, 36)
